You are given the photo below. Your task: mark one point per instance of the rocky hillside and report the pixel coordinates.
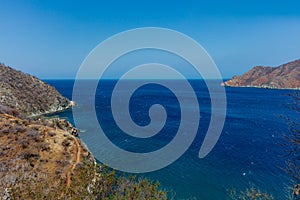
(41, 158)
(281, 77)
(35, 151)
(28, 94)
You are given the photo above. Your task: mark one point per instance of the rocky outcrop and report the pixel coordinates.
(28, 94)
(286, 76)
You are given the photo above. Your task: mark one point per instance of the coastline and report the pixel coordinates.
(52, 112)
(261, 87)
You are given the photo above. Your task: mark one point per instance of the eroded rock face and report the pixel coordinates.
(281, 77)
(28, 94)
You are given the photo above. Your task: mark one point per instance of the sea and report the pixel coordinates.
(249, 152)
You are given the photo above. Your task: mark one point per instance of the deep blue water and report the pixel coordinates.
(248, 150)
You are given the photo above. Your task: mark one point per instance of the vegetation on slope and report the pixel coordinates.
(42, 158)
(39, 160)
(28, 94)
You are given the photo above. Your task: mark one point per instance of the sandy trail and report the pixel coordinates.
(78, 159)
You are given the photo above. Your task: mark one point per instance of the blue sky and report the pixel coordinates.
(50, 39)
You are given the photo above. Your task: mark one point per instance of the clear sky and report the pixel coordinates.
(50, 39)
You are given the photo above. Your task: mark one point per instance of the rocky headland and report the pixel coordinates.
(28, 94)
(41, 157)
(286, 76)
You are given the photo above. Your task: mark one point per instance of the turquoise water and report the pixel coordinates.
(248, 150)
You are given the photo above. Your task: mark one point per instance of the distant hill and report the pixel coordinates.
(28, 94)
(286, 76)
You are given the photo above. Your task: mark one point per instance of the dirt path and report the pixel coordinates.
(78, 159)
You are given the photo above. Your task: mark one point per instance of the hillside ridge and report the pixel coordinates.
(28, 94)
(285, 76)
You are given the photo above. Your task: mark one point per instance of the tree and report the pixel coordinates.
(292, 144)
